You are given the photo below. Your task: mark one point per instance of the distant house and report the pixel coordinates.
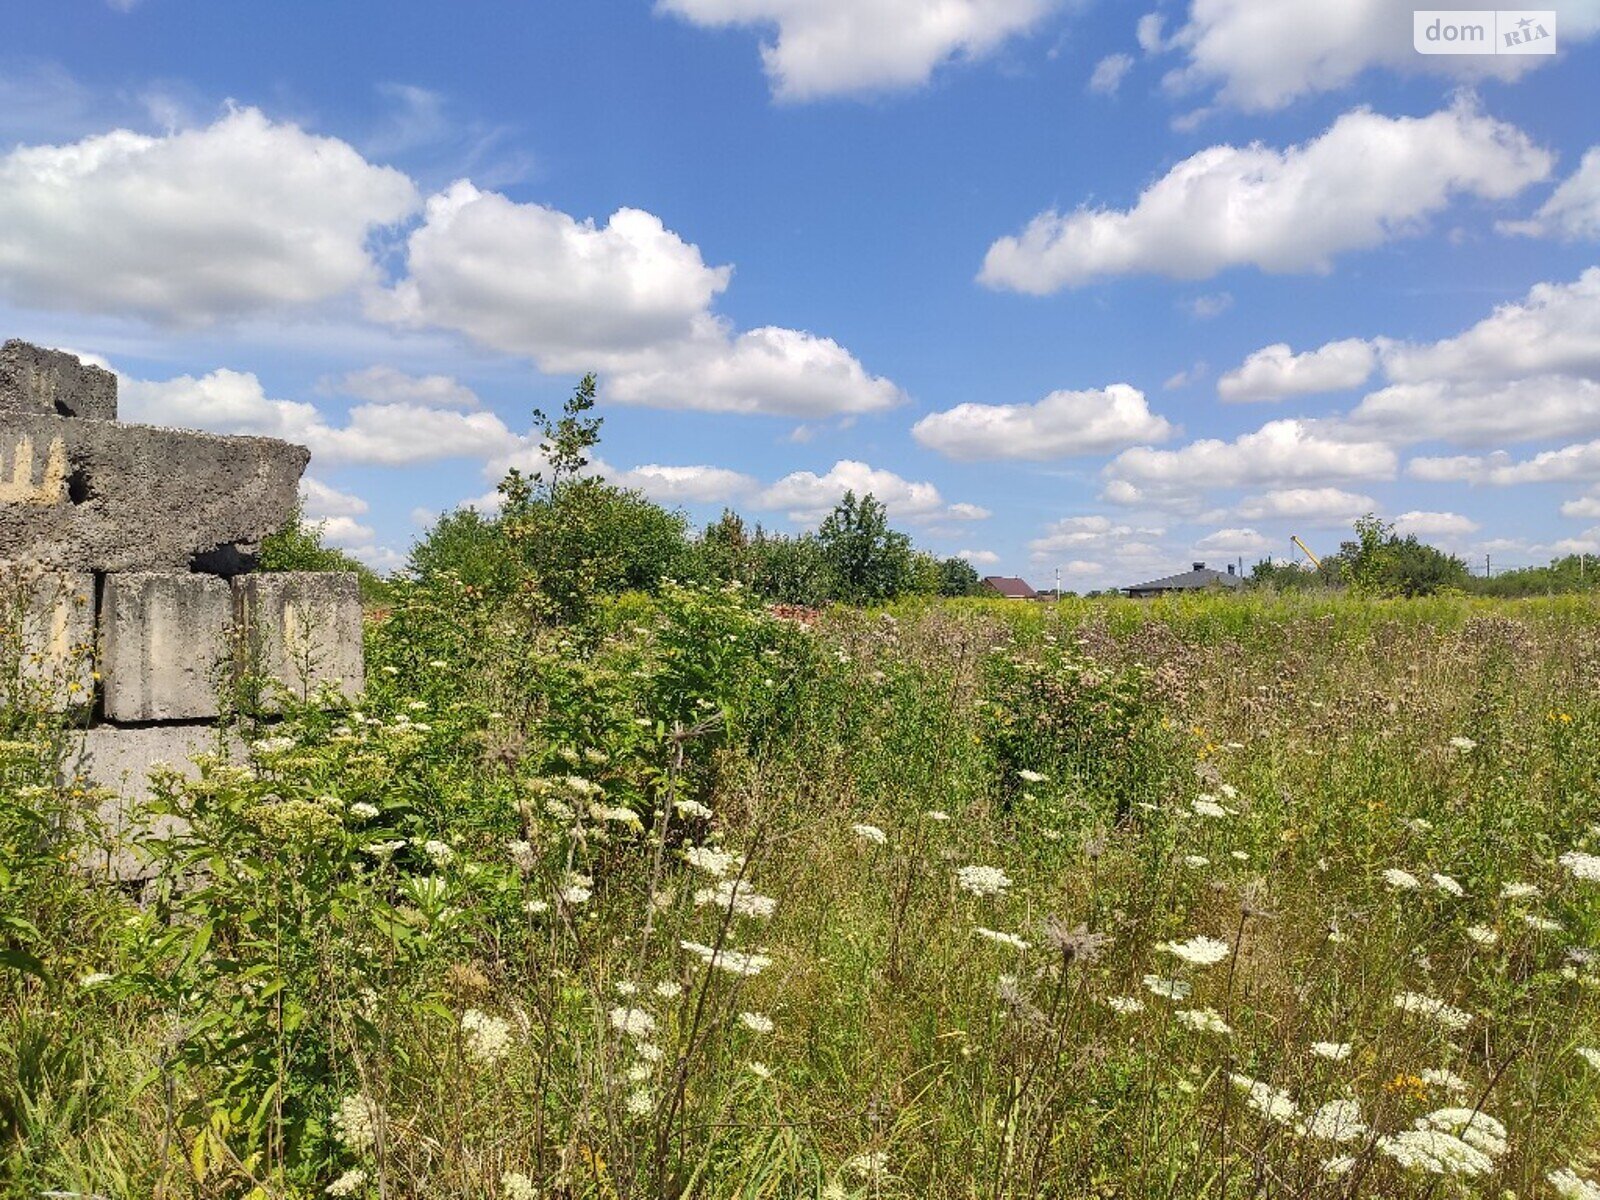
(1197, 578)
(1011, 589)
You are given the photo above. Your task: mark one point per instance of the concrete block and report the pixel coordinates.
(102, 496)
(121, 761)
(165, 645)
(33, 379)
(47, 626)
(301, 628)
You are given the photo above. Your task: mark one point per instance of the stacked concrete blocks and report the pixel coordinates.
(138, 543)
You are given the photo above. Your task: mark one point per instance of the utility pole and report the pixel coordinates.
(1486, 571)
(1058, 585)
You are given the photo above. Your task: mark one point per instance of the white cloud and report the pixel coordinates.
(1524, 410)
(1573, 210)
(531, 280)
(240, 217)
(1062, 425)
(979, 558)
(322, 500)
(1088, 534)
(1580, 460)
(386, 385)
(1325, 506)
(345, 532)
(687, 485)
(1109, 73)
(1585, 507)
(839, 47)
(1275, 371)
(1148, 32)
(1368, 179)
(1435, 524)
(807, 497)
(1554, 330)
(391, 434)
(630, 299)
(1232, 541)
(1261, 54)
(1280, 452)
(785, 372)
(1213, 304)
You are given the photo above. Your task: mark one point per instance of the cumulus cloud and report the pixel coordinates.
(530, 280)
(1554, 330)
(1580, 460)
(1109, 73)
(1232, 541)
(1062, 425)
(1573, 211)
(1435, 524)
(630, 299)
(1261, 54)
(1275, 371)
(1523, 410)
(1279, 453)
(322, 500)
(687, 485)
(390, 434)
(1586, 507)
(240, 217)
(979, 558)
(1324, 506)
(1365, 181)
(839, 47)
(386, 385)
(807, 497)
(1213, 304)
(785, 372)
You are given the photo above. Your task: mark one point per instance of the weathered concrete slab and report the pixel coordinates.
(165, 645)
(102, 496)
(301, 628)
(47, 626)
(121, 761)
(33, 379)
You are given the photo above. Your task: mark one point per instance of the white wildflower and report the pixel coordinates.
(355, 1124)
(640, 1103)
(95, 979)
(712, 861)
(1582, 866)
(668, 989)
(514, 1186)
(1447, 885)
(1463, 743)
(1206, 806)
(1444, 1079)
(535, 908)
(1453, 1019)
(1541, 924)
(870, 834)
(936, 814)
(1482, 935)
(1478, 1129)
(759, 1069)
(1435, 1152)
(1274, 1104)
(1202, 1020)
(363, 811)
(1168, 989)
(635, 1022)
(756, 1022)
(1335, 1121)
(1125, 1005)
(1198, 951)
(1196, 860)
(738, 898)
(692, 808)
(439, 852)
(1590, 1056)
(869, 1164)
(486, 1038)
(1032, 777)
(734, 962)
(347, 1184)
(1401, 881)
(982, 881)
(1333, 1051)
(649, 1052)
(1334, 1168)
(1519, 891)
(1001, 938)
(1569, 1185)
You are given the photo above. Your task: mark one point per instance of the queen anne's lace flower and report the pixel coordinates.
(738, 898)
(1168, 989)
(982, 881)
(1001, 938)
(1453, 1019)
(870, 834)
(1582, 866)
(1401, 881)
(487, 1038)
(1335, 1121)
(1272, 1103)
(635, 1022)
(1333, 1051)
(1202, 1020)
(1199, 951)
(1569, 1185)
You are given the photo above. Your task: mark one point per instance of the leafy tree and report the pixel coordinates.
(793, 570)
(1366, 561)
(298, 546)
(727, 550)
(1380, 563)
(566, 442)
(870, 562)
(471, 545)
(958, 577)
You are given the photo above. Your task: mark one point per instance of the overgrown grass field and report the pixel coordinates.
(1229, 897)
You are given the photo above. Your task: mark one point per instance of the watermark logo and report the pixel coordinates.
(1483, 31)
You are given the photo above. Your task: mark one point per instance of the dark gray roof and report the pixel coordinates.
(1189, 581)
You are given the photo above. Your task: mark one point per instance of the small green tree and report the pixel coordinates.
(1366, 562)
(870, 562)
(566, 442)
(958, 577)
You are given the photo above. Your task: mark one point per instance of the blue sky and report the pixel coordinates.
(1095, 286)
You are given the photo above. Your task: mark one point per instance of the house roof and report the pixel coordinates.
(1192, 580)
(1009, 587)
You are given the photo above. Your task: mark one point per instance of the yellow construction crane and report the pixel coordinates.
(1306, 550)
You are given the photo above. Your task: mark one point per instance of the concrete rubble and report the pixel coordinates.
(128, 598)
